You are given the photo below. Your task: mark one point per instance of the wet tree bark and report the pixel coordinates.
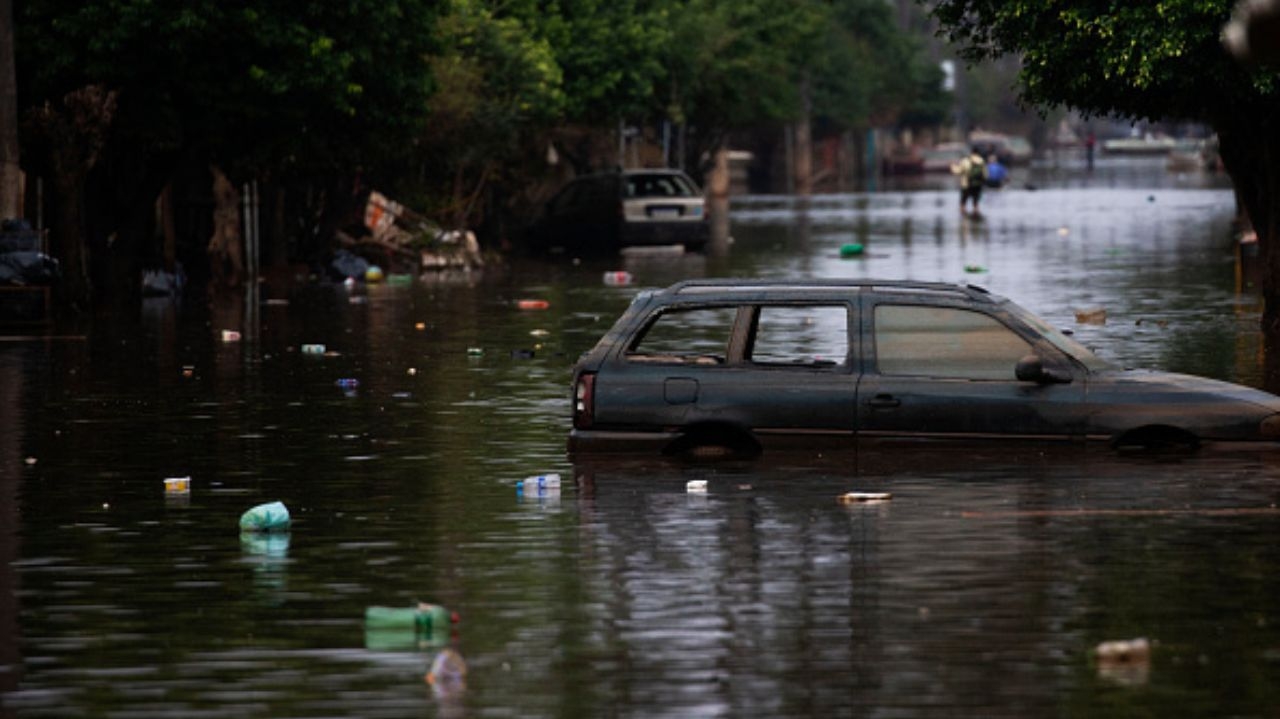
(1250, 153)
(226, 248)
(804, 143)
(74, 135)
(10, 173)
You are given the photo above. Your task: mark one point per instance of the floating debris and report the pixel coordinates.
(270, 517)
(863, 497)
(852, 249)
(532, 304)
(1096, 316)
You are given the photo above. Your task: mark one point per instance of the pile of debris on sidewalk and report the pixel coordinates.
(27, 275)
(406, 241)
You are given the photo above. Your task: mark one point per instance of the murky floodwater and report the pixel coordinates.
(979, 590)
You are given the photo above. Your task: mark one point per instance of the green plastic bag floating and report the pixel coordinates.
(270, 517)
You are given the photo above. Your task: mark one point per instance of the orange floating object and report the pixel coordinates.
(533, 304)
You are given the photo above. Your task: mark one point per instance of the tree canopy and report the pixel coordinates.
(1161, 59)
(1156, 60)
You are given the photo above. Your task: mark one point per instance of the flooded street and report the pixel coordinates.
(980, 589)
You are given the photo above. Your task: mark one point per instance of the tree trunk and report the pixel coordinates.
(68, 240)
(226, 246)
(74, 134)
(1250, 151)
(10, 173)
(804, 144)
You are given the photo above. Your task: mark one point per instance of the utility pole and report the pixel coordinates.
(10, 172)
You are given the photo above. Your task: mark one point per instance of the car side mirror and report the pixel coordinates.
(1031, 369)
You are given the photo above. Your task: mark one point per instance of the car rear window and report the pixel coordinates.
(659, 186)
(802, 335)
(945, 342)
(688, 336)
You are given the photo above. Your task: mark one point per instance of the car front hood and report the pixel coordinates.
(1169, 388)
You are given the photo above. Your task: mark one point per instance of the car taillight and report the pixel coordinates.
(584, 400)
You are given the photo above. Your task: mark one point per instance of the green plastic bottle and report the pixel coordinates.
(424, 619)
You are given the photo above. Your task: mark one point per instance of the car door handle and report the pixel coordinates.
(883, 401)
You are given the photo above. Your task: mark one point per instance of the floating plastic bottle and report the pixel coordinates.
(423, 619)
(852, 249)
(406, 627)
(618, 278)
(177, 485)
(314, 349)
(539, 484)
(348, 383)
(533, 304)
(696, 486)
(270, 517)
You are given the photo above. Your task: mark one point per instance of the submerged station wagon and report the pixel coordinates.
(747, 364)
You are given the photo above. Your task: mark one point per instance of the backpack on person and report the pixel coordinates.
(977, 171)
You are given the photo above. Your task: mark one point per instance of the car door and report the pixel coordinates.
(583, 216)
(947, 371)
(735, 365)
(798, 364)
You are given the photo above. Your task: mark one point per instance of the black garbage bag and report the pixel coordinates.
(16, 235)
(347, 264)
(28, 268)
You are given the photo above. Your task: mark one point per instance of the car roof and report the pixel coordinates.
(738, 287)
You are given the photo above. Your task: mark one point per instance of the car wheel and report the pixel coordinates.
(715, 442)
(1157, 438)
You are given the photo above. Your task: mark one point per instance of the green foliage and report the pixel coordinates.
(740, 64)
(608, 51)
(496, 84)
(1154, 59)
(273, 84)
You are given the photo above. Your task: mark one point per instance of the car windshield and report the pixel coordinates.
(1077, 351)
(659, 185)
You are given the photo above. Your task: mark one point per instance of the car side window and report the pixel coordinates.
(802, 335)
(945, 342)
(686, 336)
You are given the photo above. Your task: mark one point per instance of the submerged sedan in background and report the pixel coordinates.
(606, 212)
(740, 365)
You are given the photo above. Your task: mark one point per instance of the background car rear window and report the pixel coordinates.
(945, 342)
(658, 186)
(810, 335)
(696, 336)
